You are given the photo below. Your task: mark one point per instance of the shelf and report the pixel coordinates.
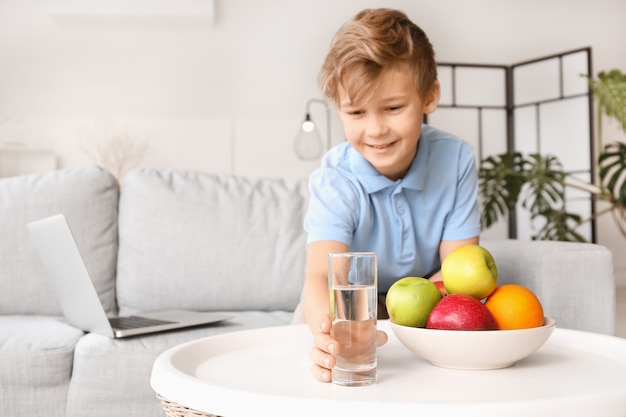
(20, 159)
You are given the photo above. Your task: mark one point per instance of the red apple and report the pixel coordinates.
(460, 312)
(441, 287)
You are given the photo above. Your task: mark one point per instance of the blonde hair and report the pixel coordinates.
(375, 40)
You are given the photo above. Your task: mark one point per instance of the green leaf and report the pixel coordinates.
(559, 225)
(500, 181)
(545, 187)
(609, 89)
(538, 182)
(612, 171)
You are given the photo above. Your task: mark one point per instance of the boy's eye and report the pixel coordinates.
(354, 112)
(394, 108)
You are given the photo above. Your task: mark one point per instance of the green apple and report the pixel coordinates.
(470, 270)
(410, 300)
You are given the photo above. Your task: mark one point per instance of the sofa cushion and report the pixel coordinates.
(36, 355)
(88, 197)
(112, 376)
(210, 242)
(574, 281)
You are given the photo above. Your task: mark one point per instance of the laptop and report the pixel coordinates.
(55, 245)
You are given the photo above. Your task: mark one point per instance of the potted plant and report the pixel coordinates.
(538, 182)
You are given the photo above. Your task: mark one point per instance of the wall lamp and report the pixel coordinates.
(308, 144)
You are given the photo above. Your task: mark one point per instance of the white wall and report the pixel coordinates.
(228, 94)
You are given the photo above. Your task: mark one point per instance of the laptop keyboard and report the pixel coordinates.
(135, 322)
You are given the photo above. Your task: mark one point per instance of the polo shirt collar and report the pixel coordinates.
(373, 181)
(415, 179)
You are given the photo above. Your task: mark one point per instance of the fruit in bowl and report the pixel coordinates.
(460, 312)
(467, 271)
(441, 287)
(458, 349)
(463, 332)
(410, 300)
(470, 269)
(514, 306)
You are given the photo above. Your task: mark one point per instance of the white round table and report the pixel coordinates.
(267, 371)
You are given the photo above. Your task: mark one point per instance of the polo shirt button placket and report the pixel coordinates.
(405, 222)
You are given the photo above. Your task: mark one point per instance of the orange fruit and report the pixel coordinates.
(514, 306)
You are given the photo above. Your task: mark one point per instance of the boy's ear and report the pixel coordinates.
(432, 98)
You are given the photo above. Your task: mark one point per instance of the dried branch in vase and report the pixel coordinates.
(118, 151)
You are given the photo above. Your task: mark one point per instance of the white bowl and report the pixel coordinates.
(485, 349)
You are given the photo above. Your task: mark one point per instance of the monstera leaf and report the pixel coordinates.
(501, 178)
(545, 187)
(559, 225)
(613, 171)
(534, 180)
(610, 91)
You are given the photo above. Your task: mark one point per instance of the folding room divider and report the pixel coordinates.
(540, 106)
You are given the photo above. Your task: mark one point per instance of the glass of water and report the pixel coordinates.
(353, 286)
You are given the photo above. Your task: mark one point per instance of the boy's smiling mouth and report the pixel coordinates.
(381, 147)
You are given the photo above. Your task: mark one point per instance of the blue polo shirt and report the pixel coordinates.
(402, 221)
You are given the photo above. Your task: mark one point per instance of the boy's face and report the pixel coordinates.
(386, 127)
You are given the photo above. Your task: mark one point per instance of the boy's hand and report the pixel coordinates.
(326, 347)
(322, 353)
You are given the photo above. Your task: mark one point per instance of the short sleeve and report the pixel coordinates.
(464, 220)
(333, 207)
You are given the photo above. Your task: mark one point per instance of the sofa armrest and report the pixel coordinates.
(574, 281)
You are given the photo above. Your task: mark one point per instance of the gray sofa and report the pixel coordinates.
(168, 239)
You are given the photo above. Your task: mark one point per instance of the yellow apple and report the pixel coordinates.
(470, 270)
(410, 300)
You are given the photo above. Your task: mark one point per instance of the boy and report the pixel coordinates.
(398, 188)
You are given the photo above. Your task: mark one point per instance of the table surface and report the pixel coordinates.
(575, 374)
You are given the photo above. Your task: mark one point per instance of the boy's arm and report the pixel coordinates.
(316, 301)
(316, 306)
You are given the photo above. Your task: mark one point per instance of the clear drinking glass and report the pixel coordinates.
(353, 287)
